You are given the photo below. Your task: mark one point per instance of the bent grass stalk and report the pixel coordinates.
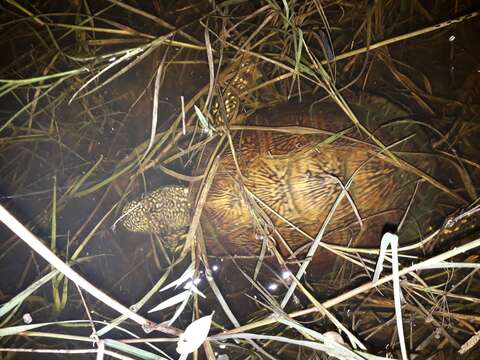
(435, 260)
(23, 233)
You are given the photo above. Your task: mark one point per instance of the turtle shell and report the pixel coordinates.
(285, 175)
(279, 184)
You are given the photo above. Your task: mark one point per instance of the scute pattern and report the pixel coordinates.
(297, 177)
(299, 181)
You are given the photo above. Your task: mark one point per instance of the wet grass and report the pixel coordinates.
(99, 100)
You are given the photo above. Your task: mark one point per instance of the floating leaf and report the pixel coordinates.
(172, 301)
(194, 336)
(178, 311)
(188, 274)
(191, 286)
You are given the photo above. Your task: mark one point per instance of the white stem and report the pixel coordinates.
(23, 233)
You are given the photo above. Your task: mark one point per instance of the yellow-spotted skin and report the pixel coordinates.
(165, 211)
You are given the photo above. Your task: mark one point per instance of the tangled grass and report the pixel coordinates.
(98, 98)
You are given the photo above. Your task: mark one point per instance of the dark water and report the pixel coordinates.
(111, 123)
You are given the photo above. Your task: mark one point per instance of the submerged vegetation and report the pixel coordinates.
(104, 101)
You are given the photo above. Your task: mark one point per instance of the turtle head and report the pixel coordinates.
(165, 211)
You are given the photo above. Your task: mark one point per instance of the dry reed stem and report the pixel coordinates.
(22, 232)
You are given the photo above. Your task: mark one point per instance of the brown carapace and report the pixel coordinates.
(284, 187)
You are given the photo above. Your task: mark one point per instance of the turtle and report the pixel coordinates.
(279, 182)
(292, 180)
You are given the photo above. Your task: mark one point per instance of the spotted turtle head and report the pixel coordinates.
(165, 211)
